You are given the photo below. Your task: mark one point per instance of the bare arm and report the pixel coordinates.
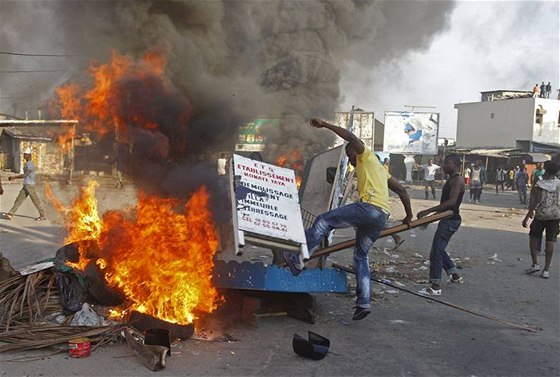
(19, 176)
(534, 200)
(398, 189)
(342, 132)
(456, 188)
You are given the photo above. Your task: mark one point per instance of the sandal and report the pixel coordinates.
(398, 243)
(430, 292)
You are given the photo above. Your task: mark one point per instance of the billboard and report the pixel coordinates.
(250, 137)
(409, 132)
(363, 125)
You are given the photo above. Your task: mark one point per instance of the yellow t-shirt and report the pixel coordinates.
(372, 180)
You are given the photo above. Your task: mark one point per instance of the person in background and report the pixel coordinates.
(544, 209)
(500, 178)
(537, 174)
(521, 181)
(451, 198)
(221, 164)
(367, 216)
(386, 164)
(510, 178)
(535, 177)
(467, 177)
(548, 90)
(536, 91)
(28, 188)
(121, 152)
(543, 90)
(478, 178)
(429, 177)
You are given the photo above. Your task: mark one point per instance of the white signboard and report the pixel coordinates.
(266, 199)
(411, 132)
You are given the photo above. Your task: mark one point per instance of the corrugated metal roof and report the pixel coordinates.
(540, 157)
(39, 132)
(488, 152)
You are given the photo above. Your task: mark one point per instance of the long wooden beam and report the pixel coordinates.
(384, 233)
(385, 282)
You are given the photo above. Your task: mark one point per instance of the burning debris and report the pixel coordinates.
(159, 260)
(180, 79)
(150, 267)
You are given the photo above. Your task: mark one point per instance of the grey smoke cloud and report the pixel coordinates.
(234, 60)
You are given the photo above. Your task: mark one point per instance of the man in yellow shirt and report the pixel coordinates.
(367, 216)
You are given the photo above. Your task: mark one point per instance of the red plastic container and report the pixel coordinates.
(79, 347)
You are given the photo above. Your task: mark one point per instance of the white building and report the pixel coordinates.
(509, 119)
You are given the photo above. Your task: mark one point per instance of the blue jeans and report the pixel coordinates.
(438, 256)
(369, 221)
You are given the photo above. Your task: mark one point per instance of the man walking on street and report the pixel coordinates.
(451, 198)
(28, 188)
(521, 181)
(478, 178)
(429, 177)
(367, 216)
(544, 209)
(500, 178)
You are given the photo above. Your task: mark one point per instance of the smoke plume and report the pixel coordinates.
(233, 61)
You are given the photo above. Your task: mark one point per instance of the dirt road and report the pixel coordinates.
(405, 335)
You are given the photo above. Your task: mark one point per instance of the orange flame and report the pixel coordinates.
(160, 259)
(81, 220)
(292, 159)
(104, 107)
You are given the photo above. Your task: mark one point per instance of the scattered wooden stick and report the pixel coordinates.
(516, 325)
(152, 356)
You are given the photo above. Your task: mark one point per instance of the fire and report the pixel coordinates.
(292, 159)
(124, 92)
(81, 220)
(163, 260)
(160, 255)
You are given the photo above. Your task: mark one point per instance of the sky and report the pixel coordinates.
(422, 53)
(488, 46)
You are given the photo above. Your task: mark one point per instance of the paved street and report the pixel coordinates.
(404, 336)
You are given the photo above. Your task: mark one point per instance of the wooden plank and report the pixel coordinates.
(152, 356)
(384, 233)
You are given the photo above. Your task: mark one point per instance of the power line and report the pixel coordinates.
(45, 55)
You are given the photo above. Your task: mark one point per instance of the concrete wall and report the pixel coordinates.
(47, 156)
(548, 132)
(502, 123)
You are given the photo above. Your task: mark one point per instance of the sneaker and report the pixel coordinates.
(290, 259)
(544, 274)
(430, 292)
(8, 216)
(532, 269)
(459, 280)
(41, 218)
(360, 313)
